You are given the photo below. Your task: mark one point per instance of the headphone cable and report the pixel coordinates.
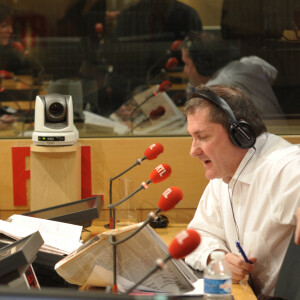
(235, 222)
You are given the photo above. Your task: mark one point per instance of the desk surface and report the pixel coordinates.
(240, 291)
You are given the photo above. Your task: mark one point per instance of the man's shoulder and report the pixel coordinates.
(277, 149)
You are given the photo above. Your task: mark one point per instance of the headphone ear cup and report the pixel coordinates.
(242, 135)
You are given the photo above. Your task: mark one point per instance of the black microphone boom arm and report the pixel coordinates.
(159, 265)
(150, 217)
(143, 186)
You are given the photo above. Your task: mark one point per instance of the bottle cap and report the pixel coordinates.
(217, 255)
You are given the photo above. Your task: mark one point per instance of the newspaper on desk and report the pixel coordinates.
(92, 263)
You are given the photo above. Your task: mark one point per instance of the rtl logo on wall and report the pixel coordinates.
(21, 175)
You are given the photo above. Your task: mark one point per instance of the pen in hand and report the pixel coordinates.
(239, 247)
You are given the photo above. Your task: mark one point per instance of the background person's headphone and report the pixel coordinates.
(240, 132)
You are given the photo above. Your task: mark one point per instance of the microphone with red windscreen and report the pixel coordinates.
(19, 47)
(160, 173)
(152, 152)
(170, 197)
(168, 200)
(176, 45)
(183, 244)
(154, 114)
(157, 113)
(99, 28)
(5, 74)
(171, 63)
(163, 87)
(156, 69)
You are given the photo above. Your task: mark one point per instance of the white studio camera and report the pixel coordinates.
(53, 121)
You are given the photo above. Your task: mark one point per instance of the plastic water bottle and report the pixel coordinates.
(217, 278)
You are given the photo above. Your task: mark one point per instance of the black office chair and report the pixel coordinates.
(288, 284)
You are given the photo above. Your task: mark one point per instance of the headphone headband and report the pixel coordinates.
(240, 132)
(210, 96)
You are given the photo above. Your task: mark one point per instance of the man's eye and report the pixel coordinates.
(202, 137)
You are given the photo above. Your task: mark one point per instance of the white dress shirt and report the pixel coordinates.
(265, 193)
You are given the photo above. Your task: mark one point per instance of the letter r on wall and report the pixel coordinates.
(20, 174)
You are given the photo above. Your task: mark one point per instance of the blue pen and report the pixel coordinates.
(238, 245)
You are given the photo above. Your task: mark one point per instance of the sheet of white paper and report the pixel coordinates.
(199, 288)
(103, 278)
(100, 277)
(59, 235)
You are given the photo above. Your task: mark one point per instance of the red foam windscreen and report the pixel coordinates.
(165, 86)
(171, 63)
(18, 46)
(5, 75)
(184, 243)
(99, 27)
(175, 45)
(153, 151)
(169, 198)
(160, 173)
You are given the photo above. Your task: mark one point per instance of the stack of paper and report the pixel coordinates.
(59, 238)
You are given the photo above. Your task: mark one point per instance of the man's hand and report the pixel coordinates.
(239, 268)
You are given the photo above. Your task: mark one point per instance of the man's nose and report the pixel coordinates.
(185, 70)
(10, 29)
(195, 149)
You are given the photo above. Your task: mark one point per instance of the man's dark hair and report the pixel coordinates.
(209, 52)
(240, 103)
(5, 13)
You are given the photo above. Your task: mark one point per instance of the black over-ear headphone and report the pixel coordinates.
(240, 132)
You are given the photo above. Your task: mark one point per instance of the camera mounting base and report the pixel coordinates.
(55, 139)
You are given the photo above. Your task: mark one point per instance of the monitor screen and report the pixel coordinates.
(81, 212)
(18, 254)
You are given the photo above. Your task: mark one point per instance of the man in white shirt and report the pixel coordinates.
(209, 60)
(253, 193)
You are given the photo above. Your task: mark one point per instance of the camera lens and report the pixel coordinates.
(56, 109)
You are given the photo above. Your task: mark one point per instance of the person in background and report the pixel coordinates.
(88, 20)
(6, 28)
(158, 20)
(11, 60)
(144, 31)
(253, 190)
(210, 60)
